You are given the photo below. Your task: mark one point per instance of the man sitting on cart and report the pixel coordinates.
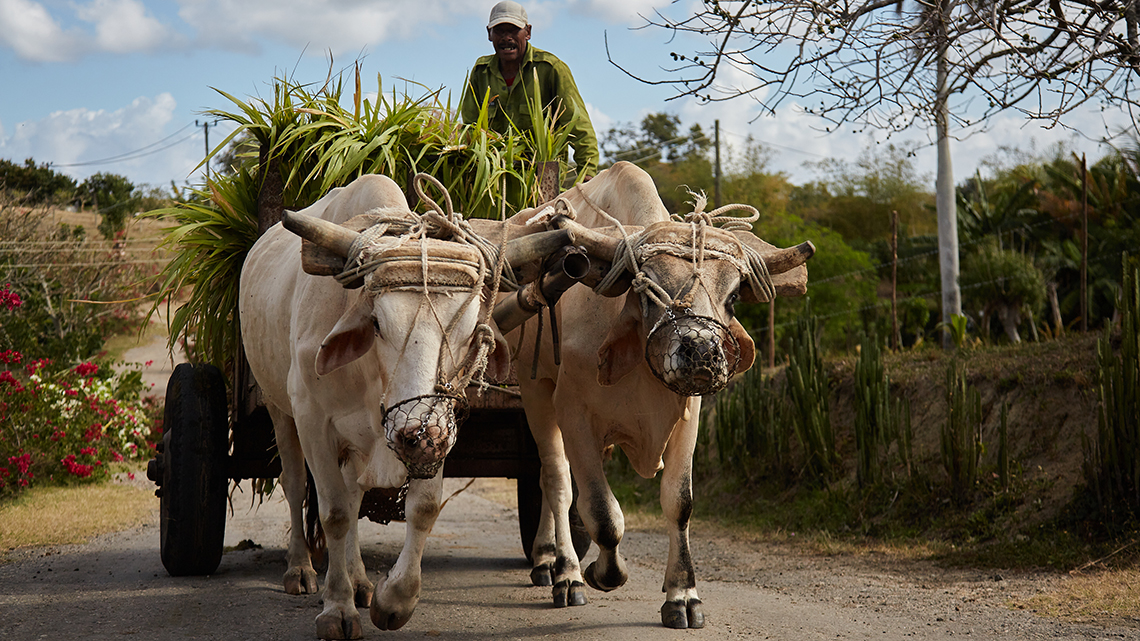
(507, 80)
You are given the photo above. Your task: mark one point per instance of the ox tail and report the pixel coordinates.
(314, 533)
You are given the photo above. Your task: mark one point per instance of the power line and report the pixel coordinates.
(137, 153)
(772, 144)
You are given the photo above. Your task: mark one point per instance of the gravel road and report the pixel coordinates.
(476, 587)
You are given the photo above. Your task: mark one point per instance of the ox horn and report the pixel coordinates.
(319, 231)
(786, 266)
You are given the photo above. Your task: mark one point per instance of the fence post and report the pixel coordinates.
(896, 339)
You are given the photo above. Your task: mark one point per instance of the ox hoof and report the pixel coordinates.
(388, 620)
(569, 593)
(542, 575)
(339, 625)
(680, 614)
(301, 581)
(363, 594)
(611, 580)
(392, 608)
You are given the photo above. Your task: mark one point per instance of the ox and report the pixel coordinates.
(364, 383)
(633, 366)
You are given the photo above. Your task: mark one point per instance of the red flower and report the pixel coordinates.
(87, 451)
(78, 469)
(86, 369)
(6, 377)
(11, 356)
(116, 457)
(9, 299)
(93, 433)
(21, 462)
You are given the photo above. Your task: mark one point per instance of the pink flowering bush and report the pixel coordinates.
(62, 425)
(65, 417)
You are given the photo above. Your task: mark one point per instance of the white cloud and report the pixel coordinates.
(625, 13)
(601, 121)
(30, 30)
(118, 26)
(67, 139)
(123, 26)
(342, 26)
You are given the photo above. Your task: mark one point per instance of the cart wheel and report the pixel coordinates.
(530, 510)
(194, 475)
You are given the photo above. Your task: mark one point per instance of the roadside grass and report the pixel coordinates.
(54, 515)
(1096, 596)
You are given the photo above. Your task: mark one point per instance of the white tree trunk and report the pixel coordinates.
(944, 197)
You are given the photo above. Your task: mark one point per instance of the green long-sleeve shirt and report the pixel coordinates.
(554, 81)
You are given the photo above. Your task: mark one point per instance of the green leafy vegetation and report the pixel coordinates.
(1112, 469)
(308, 142)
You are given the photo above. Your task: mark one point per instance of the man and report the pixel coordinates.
(507, 80)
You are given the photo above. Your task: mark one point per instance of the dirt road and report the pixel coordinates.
(476, 587)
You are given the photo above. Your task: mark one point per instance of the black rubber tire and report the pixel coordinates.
(195, 479)
(530, 510)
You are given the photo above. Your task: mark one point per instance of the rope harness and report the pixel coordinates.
(679, 348)
(433, 253)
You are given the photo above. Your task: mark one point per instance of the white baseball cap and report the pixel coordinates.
(508, 11)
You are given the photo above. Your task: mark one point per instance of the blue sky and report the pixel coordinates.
(116, 85)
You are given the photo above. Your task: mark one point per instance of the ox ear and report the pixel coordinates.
(623, 348)
(499, 361)
(747, 347)
(350, 339)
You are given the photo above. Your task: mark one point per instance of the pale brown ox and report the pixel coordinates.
(604, 393)
(333, 364)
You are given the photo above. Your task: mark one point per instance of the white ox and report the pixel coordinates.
(604, 392)
(333, 364)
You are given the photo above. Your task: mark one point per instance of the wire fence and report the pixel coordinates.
(147, 245)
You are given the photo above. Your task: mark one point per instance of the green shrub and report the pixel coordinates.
(62, 425)
(75, 292)
(807, 386)
(751, 429)
(879, 420)
(1112, 461)
(961, 435)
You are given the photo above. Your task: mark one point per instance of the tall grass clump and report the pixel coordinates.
(1112, 460)
(807, 387)
(750, 429)
(880, 421)
(211, 232)
(313, 138)
(961, 433)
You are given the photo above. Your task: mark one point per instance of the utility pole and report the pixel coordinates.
(716, 142)
(205, 125)
(1084, 245)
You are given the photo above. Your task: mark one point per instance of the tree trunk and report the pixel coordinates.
(1055, 309)
(1010, 318)
(944, 199)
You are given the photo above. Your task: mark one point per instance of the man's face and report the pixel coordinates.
(509, 41)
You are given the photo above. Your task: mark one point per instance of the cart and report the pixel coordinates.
(207, 443)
